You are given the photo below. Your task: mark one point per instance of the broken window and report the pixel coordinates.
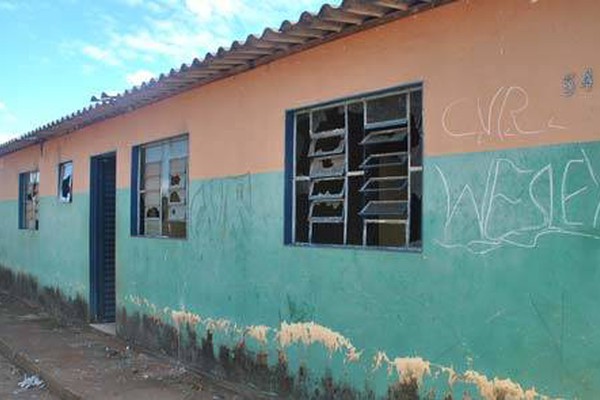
(162, 184)
(29, 183)
(358, 172)
(65, 182)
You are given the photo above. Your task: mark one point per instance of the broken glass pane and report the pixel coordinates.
(385, 136)
(177, 212)
(152, 212)
(388, 108)
(325, 167)
(65, 182)
(163, 188)
(326, 146)
(31, 200)
(174, 198)
(328, 119)
(327, 211)
(327, 189)
(302, 144)
(177, 171)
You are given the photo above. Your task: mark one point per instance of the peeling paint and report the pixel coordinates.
(258, 333)
(183, 318)
(499, 388)
(408, 368)
(215, 325)
(309, 333)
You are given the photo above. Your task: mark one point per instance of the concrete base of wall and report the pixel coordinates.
(25, 286)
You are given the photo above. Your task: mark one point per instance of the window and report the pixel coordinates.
(162, 188)
(65, 182)
(29, 183)
(357, 172)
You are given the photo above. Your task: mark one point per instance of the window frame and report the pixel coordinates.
(290, 165)
(24, 179)
(59, 182)
(136, 184)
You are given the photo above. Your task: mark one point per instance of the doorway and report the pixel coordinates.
(102, 238)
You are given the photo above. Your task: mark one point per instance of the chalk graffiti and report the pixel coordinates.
(501, 118)
(517, 206)
(221, 209)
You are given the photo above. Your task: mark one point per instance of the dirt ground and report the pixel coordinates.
(94, 365)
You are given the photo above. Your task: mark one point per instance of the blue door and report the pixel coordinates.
(102, 238)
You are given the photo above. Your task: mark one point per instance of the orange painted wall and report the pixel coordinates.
(492, 72)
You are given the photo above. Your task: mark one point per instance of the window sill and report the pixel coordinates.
(184, 239)
(358, 247)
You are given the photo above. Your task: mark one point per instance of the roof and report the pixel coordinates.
(311, 30)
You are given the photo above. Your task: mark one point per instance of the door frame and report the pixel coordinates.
(96, 290)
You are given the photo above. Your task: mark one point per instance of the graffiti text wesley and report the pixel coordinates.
(517, 205)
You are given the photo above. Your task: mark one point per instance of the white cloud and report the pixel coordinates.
(172, 32)
(2, 106)
(138, 77)
(98, 54)
(206, 9)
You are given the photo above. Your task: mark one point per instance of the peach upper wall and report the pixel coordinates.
(492, 72)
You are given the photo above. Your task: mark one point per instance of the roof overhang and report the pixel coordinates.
(311, 30)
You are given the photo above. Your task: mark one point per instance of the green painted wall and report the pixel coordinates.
(507, 289)
(58, 253)
(507, 283)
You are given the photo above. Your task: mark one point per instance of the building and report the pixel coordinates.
(385, 198)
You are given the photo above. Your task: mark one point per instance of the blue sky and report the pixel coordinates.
(56, 54)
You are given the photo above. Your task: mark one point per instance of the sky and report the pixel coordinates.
(56, 54)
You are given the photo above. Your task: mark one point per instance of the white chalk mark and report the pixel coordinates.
(548, 215)
(446, 189)
(526, 234)
(445, 119)
(590, 167)
(565, 198)
(508, 105)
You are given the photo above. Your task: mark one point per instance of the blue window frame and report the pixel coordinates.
(354, 171)
(159, 184)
